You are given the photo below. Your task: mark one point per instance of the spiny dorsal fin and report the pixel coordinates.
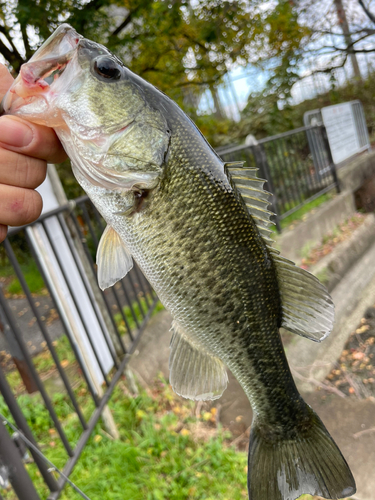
(194, 373)
(255, 197)
(307, 308)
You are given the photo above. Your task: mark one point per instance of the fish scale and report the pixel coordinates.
(250, 285)
(199, 230)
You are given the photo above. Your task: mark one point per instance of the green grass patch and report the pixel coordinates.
(135, 313)
(32, 277)
(157, 457)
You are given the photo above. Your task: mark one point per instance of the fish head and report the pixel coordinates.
(99, 109)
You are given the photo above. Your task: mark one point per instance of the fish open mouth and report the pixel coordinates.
(37, 76)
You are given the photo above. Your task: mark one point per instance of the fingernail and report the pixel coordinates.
(14, 132)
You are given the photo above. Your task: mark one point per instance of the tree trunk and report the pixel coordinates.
(341, 15)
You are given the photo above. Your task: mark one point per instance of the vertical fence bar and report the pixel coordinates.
(23, 426)
(307, 186)
(17, 356)
(34, 373)
(129, 302)
(45, 334)
(91, 262)
(260, 157)
(86, 218)
(10, 457)
(135, 292)
(88, 290)
(64, 323)
(139, 278)
(279, 172)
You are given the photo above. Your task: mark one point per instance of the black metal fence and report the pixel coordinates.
(297, 165)
(40, 340)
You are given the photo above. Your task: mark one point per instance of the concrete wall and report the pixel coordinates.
(357, 172)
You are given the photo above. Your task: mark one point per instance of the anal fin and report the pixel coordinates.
(194, 373)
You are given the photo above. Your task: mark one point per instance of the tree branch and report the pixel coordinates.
(207, 82)
(14, 59)
(4, 30)
(368, 31)
(25, 40)
(367, 12)
(12, 56)
(203, 47)
(124, 23)
(332, 68)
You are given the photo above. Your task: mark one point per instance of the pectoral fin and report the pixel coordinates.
(113, 258)
(194, 373)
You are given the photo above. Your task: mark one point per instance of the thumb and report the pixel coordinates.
(6, 80)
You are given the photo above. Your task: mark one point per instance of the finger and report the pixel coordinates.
(21, 171)
(19, 206)
(29, 139)
(6, 80)
(3, 232)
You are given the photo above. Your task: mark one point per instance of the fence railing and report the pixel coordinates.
(297, 165)
(76, 337)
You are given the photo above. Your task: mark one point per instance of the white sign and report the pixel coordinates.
(341, 129)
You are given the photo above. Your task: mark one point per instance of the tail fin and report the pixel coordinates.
(310, 462)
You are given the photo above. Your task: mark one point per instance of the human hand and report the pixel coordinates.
(25, 149)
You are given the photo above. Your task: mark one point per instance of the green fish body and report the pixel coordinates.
(198, 228)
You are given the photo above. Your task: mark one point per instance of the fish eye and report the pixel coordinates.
(107, 68)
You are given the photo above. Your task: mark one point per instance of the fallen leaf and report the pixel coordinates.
(358, 355)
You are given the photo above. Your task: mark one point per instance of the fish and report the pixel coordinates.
(199, 228)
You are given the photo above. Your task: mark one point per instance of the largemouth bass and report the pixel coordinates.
(199, 230)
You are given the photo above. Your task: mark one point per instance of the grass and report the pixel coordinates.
(157, 456)
(160, 454)
(32, 277)
(136, 309)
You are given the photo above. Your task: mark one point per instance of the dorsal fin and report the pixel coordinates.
(255, 197)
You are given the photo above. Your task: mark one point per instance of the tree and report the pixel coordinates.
(339, 30)
(178, 45)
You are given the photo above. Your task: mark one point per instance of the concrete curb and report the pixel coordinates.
(316, 225)
(311, 362)
(335, 265)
